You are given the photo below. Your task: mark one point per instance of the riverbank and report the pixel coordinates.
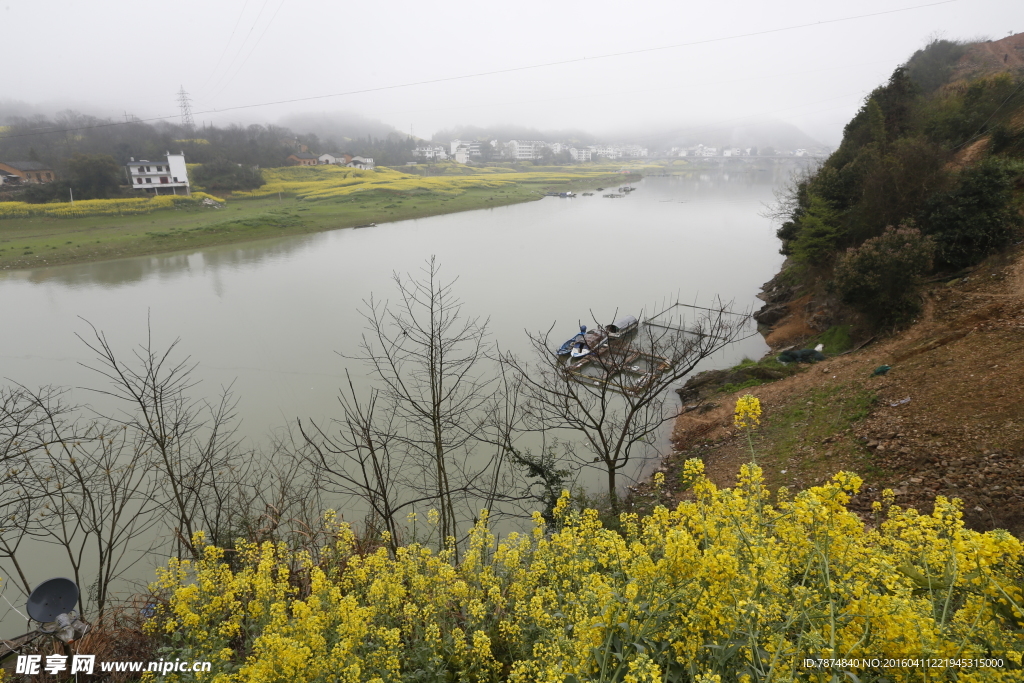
(38, 241)
(946, 420)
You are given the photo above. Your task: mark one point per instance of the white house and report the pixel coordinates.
(359, 162)
(634, 151)
(606, 151)
(524, 150)
(425, 151)
(328, 158)
(157, 177)
(580, 154)
(472, 147)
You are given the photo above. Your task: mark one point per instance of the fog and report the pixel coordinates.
(613, 69)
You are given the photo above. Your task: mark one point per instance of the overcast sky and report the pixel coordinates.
(109, 57)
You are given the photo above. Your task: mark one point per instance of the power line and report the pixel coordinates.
(226, 44)
(497, 72)
(981, 130)
(244, 40)
(253, 49)
(592, 95)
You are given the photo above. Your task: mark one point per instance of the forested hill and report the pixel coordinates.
(927, 182)
(54, 141)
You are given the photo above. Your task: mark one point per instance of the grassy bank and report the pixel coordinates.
(309, 201)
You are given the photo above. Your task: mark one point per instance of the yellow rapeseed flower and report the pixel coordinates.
(748, 412)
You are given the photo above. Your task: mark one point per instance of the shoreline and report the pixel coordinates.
(30, 243)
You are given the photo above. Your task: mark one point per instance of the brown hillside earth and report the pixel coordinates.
(992, 56)
(971, 154)
(946, 420)
(794, 327)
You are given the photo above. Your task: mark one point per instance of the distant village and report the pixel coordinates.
(169, 175)
(467, 151)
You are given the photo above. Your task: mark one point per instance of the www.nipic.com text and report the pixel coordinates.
(86, 664)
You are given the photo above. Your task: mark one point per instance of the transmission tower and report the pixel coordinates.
(186, 109)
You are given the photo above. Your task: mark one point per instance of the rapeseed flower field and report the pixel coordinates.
(102, 207)
(334, 182)
(727, 586)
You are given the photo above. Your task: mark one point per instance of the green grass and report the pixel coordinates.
(755, 373)
(813, 434)
(836, 340)
(98, 238)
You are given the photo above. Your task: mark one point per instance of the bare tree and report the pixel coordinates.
(435, 431)
(363, 460)
(23, 430)
(107, 490)
(615, 397)
(191, 442)
(82, 486)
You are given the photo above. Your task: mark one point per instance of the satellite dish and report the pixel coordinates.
(51, 598)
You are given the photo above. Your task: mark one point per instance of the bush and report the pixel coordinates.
(727, 586)
(977, 217)
(95, 176)
(818, 233)
(44, 193)
(225, 176)
(880, 277)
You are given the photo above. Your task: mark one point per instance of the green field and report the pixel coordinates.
(310, 201)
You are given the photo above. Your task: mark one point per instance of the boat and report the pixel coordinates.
(588, 194)
(613, 195)
(591, 340)
(560, 194)
(600, 189)
(621, 327)
(566, 348)
(368, 225)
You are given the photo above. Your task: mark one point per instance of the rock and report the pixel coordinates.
(771, 314)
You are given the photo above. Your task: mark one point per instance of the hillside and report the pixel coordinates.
(960, 434)
(938, 151)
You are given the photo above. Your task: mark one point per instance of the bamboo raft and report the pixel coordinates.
(618, 367)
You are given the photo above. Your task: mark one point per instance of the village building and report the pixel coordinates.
(160, 177)
(472, 147)
(606, 151)
(302, 159)
(524, 150)
(334, 159)
(580, 154)
(365, 163)
(430, 152)
(27, 171)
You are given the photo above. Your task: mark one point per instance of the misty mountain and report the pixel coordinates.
(506, 132)
(339, 126)
(777, 134)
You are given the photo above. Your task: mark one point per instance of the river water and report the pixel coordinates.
(272, 317)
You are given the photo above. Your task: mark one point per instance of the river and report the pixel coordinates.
(272, 318)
